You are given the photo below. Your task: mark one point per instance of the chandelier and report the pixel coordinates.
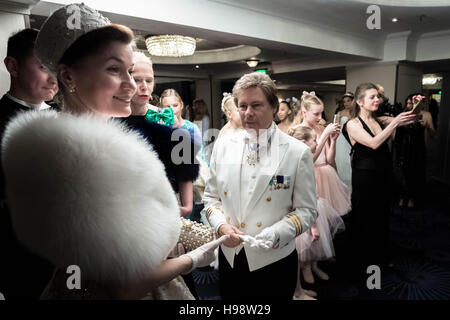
(170, 45)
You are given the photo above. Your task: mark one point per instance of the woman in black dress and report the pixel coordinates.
(371, 178)
(410, 154)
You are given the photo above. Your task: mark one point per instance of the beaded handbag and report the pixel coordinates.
(194, 234)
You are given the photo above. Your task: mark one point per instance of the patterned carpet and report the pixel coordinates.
(420, 243)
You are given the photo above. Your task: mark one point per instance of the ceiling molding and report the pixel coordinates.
(406, 3)
(18, 6)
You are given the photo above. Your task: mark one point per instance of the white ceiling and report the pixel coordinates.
(351, 15)
(295, 36)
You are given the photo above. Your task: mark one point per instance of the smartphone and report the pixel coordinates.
(417, 107)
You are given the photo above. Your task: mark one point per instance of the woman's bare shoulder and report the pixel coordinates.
(353, 122)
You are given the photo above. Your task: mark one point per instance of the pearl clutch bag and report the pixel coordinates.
(194, 234)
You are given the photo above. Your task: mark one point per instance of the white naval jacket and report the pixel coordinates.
(291, 210)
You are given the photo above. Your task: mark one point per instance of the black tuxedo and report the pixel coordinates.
(23, 275)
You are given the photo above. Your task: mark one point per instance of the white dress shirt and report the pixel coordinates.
(39, 107)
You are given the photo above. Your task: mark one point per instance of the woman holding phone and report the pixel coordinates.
(371, 178)
(410, 153)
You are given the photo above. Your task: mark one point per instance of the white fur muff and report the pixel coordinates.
(88, 193)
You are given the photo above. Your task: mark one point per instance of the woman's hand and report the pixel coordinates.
(204, 255)
(404, 118)
(332, 128)
(334, 135)
(417, 98)
(315, 233)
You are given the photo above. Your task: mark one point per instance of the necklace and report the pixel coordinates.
(253, 147)
(253, 153)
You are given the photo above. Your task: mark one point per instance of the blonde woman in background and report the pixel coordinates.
(329, 186)
(231, 111)
(317, 243)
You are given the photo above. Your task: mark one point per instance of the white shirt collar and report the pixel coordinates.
(264, 137)
(33, 106)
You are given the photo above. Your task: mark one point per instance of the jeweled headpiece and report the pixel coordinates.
(62, 29)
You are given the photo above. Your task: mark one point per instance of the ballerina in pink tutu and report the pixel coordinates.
(316, 244)
(329, 185)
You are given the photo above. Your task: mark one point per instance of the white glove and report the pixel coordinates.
(268, 239)
(253, 243)
(204, 255)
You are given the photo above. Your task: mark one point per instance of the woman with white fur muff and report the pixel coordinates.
(84, 190)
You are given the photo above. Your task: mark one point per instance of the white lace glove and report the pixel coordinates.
(204, 255)
(268, 239)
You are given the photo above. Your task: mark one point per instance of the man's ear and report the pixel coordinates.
(12, 65)
(66, 76)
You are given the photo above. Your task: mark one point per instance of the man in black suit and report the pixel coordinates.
(22, 274)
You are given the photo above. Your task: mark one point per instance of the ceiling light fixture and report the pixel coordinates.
(430, 80)
(170, 45)
(252, 62)
(394, 20)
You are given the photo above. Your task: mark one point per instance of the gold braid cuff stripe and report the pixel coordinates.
(297, 223)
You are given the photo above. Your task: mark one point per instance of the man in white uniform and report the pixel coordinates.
(261, 192)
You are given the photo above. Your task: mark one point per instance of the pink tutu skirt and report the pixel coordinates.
(330, 187)
(328, 223)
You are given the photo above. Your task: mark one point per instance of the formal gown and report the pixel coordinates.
(330, 186)
(410, 161)
(343, 164)
(328, 224)
(371, 202)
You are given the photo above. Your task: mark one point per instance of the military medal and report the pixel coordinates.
(288, 182)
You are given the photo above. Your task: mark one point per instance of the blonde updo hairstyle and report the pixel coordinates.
(305, 103)
(141, 57)
(226, 97)
(300, 132)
